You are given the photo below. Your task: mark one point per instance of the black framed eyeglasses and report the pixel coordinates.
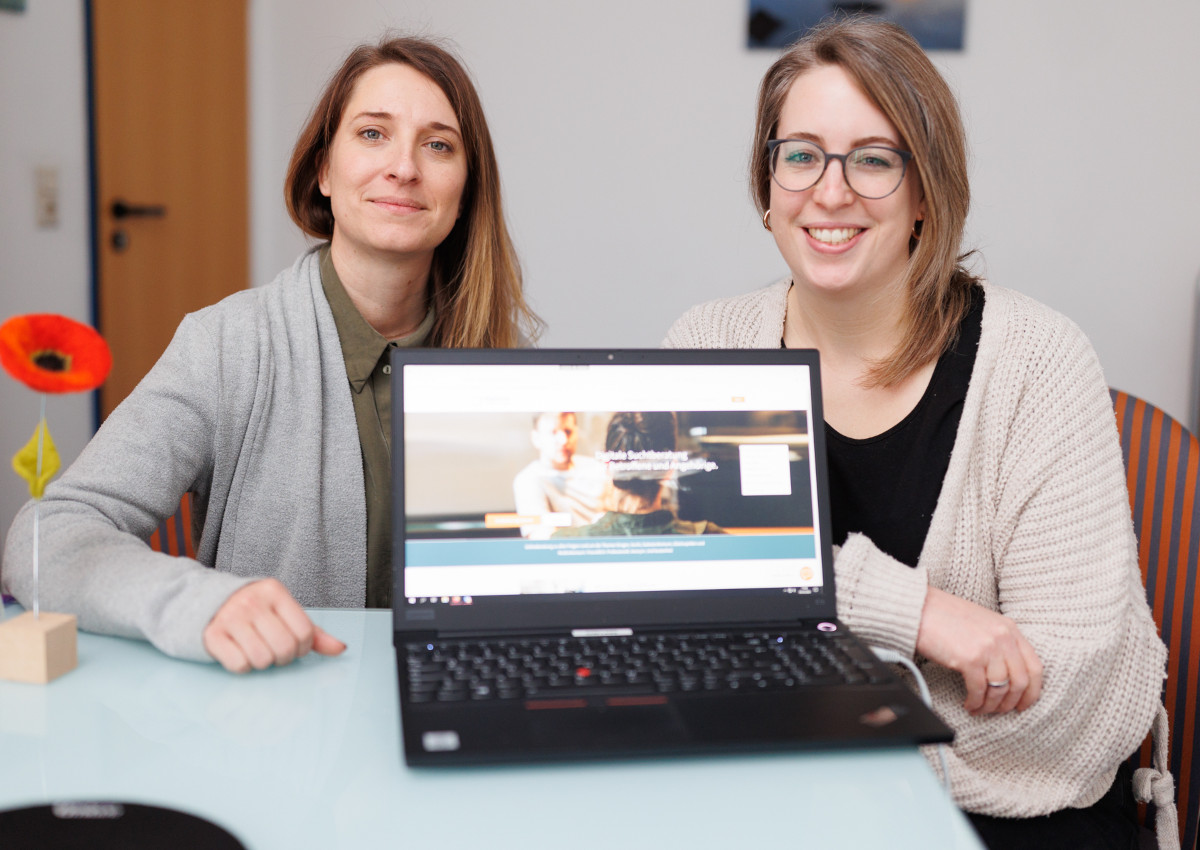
(872, 172)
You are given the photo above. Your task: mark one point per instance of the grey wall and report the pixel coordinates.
(622, 131)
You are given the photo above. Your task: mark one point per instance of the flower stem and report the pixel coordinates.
(37, 613)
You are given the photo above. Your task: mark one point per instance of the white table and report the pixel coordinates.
(309, 756)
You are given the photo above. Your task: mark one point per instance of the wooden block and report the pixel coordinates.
(37, 649)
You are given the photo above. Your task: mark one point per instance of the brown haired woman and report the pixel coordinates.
(977, 485)
(273, 407)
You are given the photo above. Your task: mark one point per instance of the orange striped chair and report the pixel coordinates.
(174, 534)
(1162, 462)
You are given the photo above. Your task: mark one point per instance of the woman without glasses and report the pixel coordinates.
(273, 407)
(977, 484)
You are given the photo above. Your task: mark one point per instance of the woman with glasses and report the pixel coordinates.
(272, 408)
(978, 494)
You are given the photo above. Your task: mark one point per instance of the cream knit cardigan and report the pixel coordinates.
(1033, 521)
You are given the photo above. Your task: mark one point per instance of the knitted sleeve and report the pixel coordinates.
(96, 517)
(878, 597)
(1061, 540)
(1033, 522)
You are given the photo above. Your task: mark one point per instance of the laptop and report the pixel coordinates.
(622, 553)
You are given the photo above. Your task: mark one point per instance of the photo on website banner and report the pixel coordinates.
(570, 474)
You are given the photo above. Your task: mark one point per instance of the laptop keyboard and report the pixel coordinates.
(523, 668)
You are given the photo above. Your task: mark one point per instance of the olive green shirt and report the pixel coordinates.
(365, 351)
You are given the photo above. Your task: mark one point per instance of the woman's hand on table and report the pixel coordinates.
(999, 667)
(263, 625)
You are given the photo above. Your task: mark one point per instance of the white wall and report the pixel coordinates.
(622, 130)
(1081, 115)
(621, 135)
(43, 122)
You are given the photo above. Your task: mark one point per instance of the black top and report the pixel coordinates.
(887, 486)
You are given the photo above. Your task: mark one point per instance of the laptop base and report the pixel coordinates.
(599, 727)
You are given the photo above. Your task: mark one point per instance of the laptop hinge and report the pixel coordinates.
(433, 635)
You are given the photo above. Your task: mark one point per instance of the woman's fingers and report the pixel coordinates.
(1000, 669)
(326, 644)
(1001, 680)
(262, 625)
(254, 648)
(1008, 695)
(975, 680)
(226, 651)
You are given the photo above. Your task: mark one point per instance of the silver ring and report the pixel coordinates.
(1003, 684)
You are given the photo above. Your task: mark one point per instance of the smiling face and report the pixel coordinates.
(833, 240)
(396, 169)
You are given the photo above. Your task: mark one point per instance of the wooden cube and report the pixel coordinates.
(37, 649)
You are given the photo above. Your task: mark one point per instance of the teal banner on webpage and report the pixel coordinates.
(709, 547)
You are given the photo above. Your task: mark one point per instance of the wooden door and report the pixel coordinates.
(169, 101)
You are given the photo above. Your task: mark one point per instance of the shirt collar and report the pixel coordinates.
(362, 346)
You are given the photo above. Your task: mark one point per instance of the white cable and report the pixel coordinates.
(890, 656)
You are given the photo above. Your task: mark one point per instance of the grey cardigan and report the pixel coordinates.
(249, 409)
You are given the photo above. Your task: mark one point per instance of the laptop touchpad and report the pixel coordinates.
(605, 727)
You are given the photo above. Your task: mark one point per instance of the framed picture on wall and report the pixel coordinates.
(12, 5)
(935, 24)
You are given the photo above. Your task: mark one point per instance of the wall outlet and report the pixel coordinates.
(46, 196)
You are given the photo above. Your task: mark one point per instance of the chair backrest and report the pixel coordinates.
(1162, 462)
(174, 534)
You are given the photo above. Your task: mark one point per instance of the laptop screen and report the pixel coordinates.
(584, 488)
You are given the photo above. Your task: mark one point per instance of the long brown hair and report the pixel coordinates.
(475, 282)
(897, 77)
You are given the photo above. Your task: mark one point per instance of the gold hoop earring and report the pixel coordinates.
(767, 219)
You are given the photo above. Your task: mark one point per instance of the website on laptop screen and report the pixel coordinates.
(606, 479)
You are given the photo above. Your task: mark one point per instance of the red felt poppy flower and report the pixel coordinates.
(53, 354)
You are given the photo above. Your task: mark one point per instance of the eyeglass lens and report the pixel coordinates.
(871, 172)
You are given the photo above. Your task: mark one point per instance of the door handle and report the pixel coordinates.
(121, 209)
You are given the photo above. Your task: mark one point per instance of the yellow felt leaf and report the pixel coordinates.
(25, 462)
